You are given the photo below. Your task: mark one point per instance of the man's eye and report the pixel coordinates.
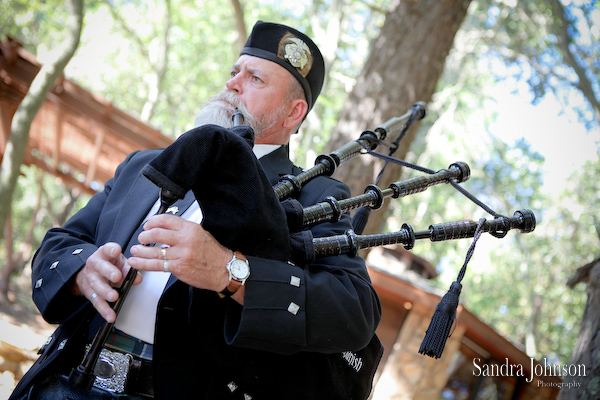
(256, 79)
(233, 73)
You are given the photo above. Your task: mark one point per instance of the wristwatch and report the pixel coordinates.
(239, 271)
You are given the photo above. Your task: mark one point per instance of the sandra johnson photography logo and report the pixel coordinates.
(541, 369)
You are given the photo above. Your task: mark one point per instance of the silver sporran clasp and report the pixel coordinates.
(111, 370)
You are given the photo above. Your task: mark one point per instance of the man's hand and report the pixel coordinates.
(104, 270)
(189, 252)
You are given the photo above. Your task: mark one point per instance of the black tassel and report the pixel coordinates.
(445, 312)
(439, 328)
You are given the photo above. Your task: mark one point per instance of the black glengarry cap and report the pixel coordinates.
(291, 49)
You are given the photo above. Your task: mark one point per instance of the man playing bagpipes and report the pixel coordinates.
(217, 309)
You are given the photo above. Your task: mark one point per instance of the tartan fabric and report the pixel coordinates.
(120, 341)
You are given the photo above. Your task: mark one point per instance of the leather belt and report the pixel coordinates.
(139, 381)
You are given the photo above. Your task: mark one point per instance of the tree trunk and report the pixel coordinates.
(15, 262)
(158, 60)
(159, 68)
(587, 349)
(240, 25)
(33, 100)
(532, 323)
(9, 266)
(404, 65)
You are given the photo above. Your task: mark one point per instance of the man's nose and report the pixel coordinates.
(234, 84)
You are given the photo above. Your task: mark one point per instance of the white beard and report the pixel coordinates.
(219, 110)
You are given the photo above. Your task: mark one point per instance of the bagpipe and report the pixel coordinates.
(331, 209)
(352, 241)
(202, 157)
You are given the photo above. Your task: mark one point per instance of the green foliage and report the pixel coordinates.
(33, 22)
(553, 45)
(538, 265)
(49, 205)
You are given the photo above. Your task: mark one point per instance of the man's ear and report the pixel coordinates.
(297, 112)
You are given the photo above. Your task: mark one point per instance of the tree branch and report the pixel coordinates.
(32, 102)
(160, 69)
(239, 23)
(582, 274)
(121, 22)
(564, 43)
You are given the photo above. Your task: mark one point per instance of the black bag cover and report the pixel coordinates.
(57, 387)
(236, 197)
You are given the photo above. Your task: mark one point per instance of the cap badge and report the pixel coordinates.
(296, 52)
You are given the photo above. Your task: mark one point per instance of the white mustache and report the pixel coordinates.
(220, 108)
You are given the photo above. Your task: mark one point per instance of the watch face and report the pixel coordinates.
(239, 269)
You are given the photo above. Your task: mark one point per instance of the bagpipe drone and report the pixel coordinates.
(201, 157)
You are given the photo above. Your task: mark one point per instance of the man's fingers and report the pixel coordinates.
(107, 262)
(100, 304)
(157, 252)
(152, 264)
(104, 308)
(138, 277)
(96, 283)
(110, 251)
(157, 235)
(109, 271)
(162, 229)
(166, 221)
